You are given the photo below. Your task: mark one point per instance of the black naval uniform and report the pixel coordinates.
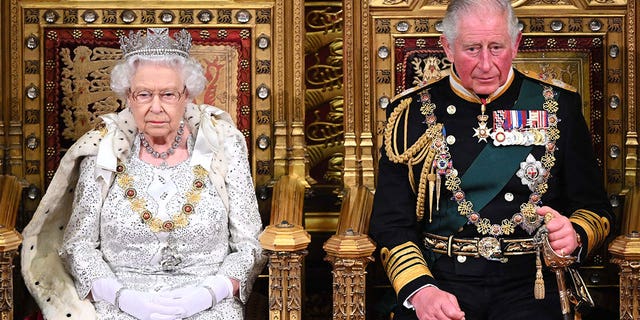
(485, 289)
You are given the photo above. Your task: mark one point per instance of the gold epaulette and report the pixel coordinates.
(595, 226)
(403, 264)
(554, 82)
(415, 88)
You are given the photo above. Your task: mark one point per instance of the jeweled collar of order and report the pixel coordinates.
(442, 165)
(139, 205)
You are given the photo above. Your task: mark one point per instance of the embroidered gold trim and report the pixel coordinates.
(595, 226)
(556, 82)
(403, 264)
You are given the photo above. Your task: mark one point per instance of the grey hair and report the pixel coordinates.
(192, 72)
(457, 9)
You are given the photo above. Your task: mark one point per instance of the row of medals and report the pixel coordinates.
(501, 137)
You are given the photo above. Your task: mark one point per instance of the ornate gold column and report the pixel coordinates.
(625, 252)
(631, 143)
(359, 148)
(289, 144)
(350, 251)
(10, 239)
(285, 244)
(625, 249)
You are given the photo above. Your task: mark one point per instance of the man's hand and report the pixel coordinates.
(432, 303)
(562, 237)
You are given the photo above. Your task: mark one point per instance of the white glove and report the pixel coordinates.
(104, 289)
(147, 306)
(196, 299)
(220, 285)
(190, 299)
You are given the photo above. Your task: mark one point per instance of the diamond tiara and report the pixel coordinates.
(157, 42)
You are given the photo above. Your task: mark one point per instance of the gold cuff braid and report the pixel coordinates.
(403, 264)
(595, 227)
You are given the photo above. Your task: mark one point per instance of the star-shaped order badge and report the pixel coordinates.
(531, 172)
(482, 132)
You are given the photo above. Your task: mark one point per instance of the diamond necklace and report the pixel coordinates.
(527, 218)
(172, 149)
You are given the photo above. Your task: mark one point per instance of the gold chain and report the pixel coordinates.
(139, 205)
(527, 217)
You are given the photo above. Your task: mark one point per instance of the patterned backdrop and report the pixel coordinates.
(78, 63)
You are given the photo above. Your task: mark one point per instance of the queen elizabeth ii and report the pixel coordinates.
(158, 206)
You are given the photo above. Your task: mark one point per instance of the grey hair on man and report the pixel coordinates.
(458, 8)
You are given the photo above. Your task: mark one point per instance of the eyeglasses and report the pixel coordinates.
(145, 96)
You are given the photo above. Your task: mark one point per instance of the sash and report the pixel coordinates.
(499, 163)
(490, 171)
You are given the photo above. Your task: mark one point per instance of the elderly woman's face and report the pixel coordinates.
(157, 99)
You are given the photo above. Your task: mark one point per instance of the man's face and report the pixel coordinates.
(482, 52)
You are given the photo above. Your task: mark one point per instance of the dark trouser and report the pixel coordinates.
(490, 290)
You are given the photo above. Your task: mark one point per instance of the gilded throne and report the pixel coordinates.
(310, 98)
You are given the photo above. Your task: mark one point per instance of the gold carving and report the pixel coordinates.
(547, 2)
(609, 2)
(438, 2)
(327, 76)
(614, 75)
(349, 251)
(319, 131)
(625, 251)
(324, 93)
(390, 3)
(333, 152)
(85, 83)
(285, 243)
(349, 287)
(284, 237)
(429, 69)
(6, 284)
(10, 239)
(285, 284)
(631, 142)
